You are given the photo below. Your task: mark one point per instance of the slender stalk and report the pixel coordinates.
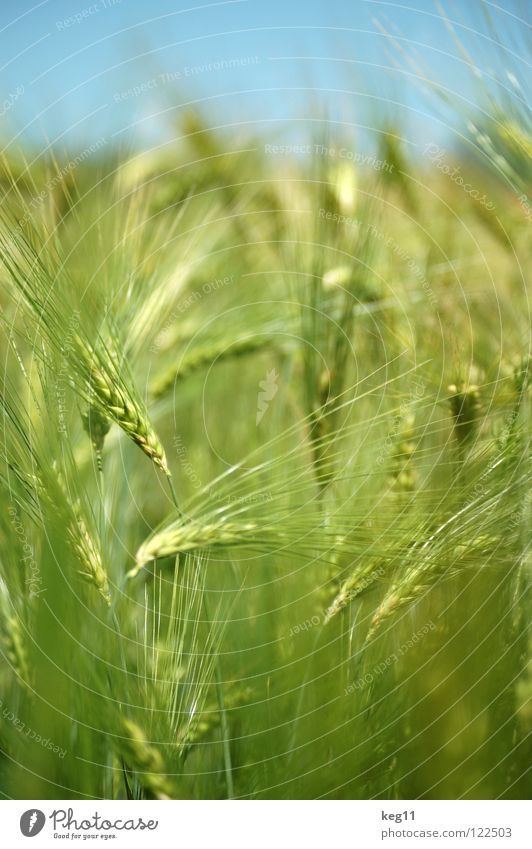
(219, 683)
(223, 714)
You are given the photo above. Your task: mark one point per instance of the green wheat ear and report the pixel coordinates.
(204, 356)
(96, 426)
(14, 643)
(78, 536)
(178, 537)
(113, 400)
(205, 721)
(145, 760)
(98, 372)
(84, 548)
(361, 579)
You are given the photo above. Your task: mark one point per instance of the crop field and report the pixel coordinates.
(264, 465)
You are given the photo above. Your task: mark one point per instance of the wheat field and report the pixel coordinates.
(264, 467)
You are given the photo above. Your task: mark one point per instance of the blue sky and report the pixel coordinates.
(75, 70)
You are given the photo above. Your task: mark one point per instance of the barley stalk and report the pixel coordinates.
(360, 580)
(117, 403)
(83, 547)
(12, 637)
(96, 370)
(178, 538)
(79, 538)
(204, 723)
(145, 761)
(97, 427)
(422, 576)
(202, 357)
(403, 476)
(15, 647)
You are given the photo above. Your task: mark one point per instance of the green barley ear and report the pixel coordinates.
(361, 579)
(419, 579)
(43, 484)
(522, 377)
(402, 474)
(97, 372)
(14, 644)
(96, 427)
(207, 720)
(145, 761)
(402, 480)
(77, 534)
(88, 555)
(201, 357)
(114, 400)
(178, 537)
(16, 648)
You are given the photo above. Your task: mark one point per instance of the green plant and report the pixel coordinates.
(337, 563)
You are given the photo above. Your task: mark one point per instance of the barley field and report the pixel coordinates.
(264, 463)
